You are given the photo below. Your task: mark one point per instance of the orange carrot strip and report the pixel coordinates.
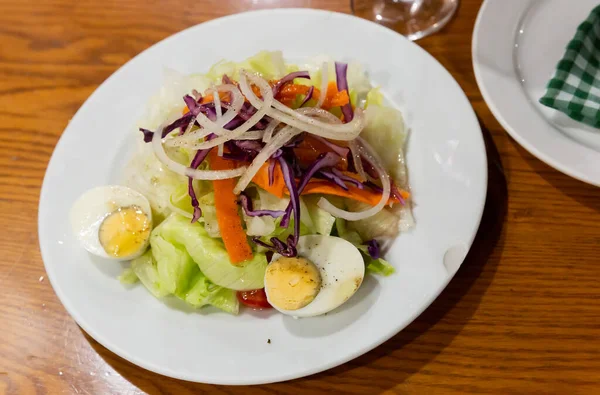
(340, 99)
(331, 92)
(210, 98)
(333, 98)
(320, 186)
(262, 180)
(296, 89)
(230, 223)
(362, 195)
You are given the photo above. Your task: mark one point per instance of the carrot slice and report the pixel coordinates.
(296, 89)
(338, 100)
(325, 187)
(262, 179)
(333, 98)
(362, 195)
(230, 223)
(224, 96)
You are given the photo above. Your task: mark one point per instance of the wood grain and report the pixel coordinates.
(521, 315)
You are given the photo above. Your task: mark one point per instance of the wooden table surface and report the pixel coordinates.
(521, 315)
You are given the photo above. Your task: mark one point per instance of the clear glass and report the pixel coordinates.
(412, 18)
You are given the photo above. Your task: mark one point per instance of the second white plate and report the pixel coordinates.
(516, 47)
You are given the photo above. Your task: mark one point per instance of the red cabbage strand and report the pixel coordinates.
(246, 203)
(289, 78)
(341, 71)
(373, 249)
(308, 96)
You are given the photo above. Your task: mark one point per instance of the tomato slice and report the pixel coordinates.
(256, 298)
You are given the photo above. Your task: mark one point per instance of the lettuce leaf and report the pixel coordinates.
(322, 221)
(174, 265)
(128, 277)
(374, 98)
(384, 224)
(211, 257)
(385, 132)
(379, 266)
(167, 268)
(269, 64)
(203, 292)
(185, 261)
(376, 266)
(263, 200)
(145, 269)
(341, 230)
(209, 214)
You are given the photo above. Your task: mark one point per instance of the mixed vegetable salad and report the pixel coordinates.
(260, 182)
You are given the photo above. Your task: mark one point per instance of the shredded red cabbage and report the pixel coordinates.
(234, 123)
(334, 178)
(238, 156)
(294, 190)
(246, 112)
(249, 145)
(341, 151)
(183, 121)
(208, 109)
(347, 179)
(248, 208)
(308, 96)
(341, 71)
(373, 186)
(277, 246)
(227, 80)
(289, 78)
(328, 159)
(287, 249)
(373, 249)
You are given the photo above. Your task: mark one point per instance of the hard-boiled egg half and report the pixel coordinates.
(112, 222)
(326, 273)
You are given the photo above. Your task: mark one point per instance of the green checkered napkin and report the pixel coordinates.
(575, 87)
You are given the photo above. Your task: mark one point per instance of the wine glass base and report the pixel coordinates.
(414, 19)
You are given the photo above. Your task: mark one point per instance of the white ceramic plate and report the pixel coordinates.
(448, 172)
(516, 47)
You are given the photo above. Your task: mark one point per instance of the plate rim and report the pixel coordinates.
(394, 330)
(512, 130)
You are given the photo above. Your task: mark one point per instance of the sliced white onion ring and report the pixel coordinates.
(281, 112)
(225, 135)
(356, 159)
(282, 137)
(222, 120)
(269, 130)
(252, 135)
(324, 83)
(319, 113)
(178, 168)
(237, 101)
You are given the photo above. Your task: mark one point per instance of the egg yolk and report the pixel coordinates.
(124, 231)
(292, 283)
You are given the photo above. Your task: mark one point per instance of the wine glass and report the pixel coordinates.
(411, 18)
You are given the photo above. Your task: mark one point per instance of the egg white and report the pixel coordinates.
(342, 270)
(88, 212)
